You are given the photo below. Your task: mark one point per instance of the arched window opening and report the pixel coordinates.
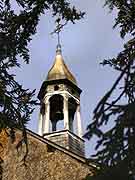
(56, 111)
(71, 109)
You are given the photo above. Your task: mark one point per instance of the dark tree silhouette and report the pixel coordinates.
(116, 146)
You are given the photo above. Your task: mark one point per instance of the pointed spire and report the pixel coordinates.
(59, 69)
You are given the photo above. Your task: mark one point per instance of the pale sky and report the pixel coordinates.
(84, 46)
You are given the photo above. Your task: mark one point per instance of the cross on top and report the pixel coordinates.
(58, 30)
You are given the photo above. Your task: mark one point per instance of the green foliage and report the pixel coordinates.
(111, 174)
(116, 145)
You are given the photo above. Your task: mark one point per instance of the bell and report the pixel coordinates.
(59, 115)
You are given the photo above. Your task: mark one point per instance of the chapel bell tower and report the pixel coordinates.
(59, 117)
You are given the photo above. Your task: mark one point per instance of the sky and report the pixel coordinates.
(84, 45)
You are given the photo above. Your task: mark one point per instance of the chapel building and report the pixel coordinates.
(57, 151)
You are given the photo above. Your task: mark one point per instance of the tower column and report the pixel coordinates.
(65, 112)
(46, 116)
(79, 125)
(40, 124)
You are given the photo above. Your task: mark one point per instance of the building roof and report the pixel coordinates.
(59, 69)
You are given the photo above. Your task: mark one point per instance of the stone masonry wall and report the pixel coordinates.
(43, 162)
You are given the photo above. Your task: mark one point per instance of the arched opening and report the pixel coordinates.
(56, 112)
(71, 109)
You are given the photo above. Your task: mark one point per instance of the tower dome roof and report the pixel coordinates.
(59, 69)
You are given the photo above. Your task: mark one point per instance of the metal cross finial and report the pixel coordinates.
(58, 33)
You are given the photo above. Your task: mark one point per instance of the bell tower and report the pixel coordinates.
(59, 117)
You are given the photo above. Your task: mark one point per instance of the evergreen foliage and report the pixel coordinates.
(116, 145)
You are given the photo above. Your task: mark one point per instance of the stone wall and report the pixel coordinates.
(43, 162)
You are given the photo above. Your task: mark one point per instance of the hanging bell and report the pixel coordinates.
(58, 115)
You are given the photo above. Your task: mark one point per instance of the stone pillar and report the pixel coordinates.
(40, 124)
(78, 116)
(65, 112)
(46, 116)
